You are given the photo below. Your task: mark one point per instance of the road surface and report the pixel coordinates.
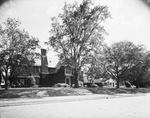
(119, 107)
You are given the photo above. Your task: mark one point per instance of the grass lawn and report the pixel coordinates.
(51, 91)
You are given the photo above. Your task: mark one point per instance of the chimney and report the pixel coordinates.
(44, 62)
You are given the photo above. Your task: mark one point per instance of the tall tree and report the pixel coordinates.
(76, 32)
(96, 69)
(120, 57)
(17, 48)
(139, 74)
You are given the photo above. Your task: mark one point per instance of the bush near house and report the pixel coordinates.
(128, 84)
(31, 81)
(61, 85)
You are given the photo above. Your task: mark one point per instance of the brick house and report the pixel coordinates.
(63, 74)
(48, 76)
(41, 72)
(46, 73)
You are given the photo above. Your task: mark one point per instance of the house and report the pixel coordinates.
(106, 82)
(110, 83)
(46, 75)
(52, 75)
(41, 71)
(87, 80)
(63, 74)
(44, 71)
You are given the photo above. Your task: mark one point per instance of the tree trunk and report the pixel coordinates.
(118, 82)
(76, 79)
(0, 78)
(137, 84)
(6, 84)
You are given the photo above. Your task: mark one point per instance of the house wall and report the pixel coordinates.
(51, 70)
(63, 75)
(36, 71)
(110, 83)
(59, 76)
(46, 80)
(88, 81)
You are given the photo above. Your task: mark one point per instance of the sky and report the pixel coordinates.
(130, 19)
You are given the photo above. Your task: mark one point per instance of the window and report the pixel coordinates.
(68, 71)
(37, 69)
(22, 82)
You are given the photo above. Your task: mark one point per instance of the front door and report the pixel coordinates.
(67, 81)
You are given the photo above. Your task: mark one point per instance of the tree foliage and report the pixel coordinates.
(120, 57)
(139, 74)
(124, 62)
(17, 48)
(96, 69)
(77, 31)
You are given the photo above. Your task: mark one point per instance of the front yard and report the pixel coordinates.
(67, 91)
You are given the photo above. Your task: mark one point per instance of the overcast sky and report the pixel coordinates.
(130, 19)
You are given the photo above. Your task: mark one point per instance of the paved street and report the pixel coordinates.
(79, 107)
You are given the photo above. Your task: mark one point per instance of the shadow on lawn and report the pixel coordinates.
(113, 91)
(17, 94)
(38, 92)
(50, 92)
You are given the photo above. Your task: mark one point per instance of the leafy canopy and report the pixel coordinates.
(78, 32)
(17, 48)
(120, 57)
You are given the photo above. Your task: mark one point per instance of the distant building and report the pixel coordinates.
(110, 83)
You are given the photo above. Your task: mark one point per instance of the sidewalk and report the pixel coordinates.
(27, 101)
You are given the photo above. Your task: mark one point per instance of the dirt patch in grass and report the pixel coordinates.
(39, 92)
(50, 92)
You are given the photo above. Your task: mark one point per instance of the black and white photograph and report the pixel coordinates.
(74, 58)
